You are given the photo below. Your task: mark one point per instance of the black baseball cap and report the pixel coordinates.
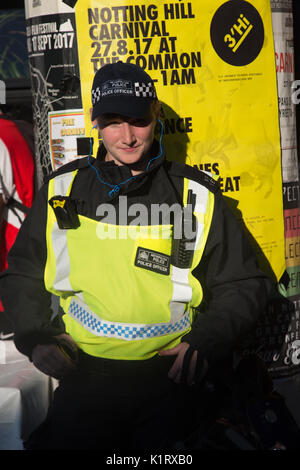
(122, 88)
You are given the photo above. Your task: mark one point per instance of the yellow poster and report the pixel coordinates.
(214, 66)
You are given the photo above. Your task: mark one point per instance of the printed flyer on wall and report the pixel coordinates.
(64, 129)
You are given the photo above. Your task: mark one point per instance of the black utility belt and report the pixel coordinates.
(154, 366)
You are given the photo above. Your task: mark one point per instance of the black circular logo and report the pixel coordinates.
(237, 32)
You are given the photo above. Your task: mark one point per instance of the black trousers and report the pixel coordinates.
(110, 404)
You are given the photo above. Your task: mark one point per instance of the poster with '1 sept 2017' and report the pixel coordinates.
(53, 59)
(213, 63)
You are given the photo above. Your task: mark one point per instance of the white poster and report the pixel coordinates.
(65, 127)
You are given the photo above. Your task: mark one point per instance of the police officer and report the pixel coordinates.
(156, 280)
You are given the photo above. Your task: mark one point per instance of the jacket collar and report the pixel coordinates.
(119, 179)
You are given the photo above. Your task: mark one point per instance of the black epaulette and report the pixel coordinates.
(71, 166)
(187, 171)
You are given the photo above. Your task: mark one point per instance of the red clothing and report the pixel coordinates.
(16, 181)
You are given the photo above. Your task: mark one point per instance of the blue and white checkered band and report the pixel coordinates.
(126, 331)
(144, 90)
(96, 95)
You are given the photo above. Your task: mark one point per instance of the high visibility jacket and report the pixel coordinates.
(119, 293)
(121, 296)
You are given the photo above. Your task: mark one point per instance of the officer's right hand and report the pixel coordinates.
(52, 360)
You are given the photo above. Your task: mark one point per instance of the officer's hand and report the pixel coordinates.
(51, 359)
(175, 372)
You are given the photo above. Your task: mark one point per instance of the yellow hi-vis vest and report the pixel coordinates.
(113, 307)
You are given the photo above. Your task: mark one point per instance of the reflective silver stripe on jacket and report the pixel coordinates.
(182, 290)
(126, 331)
(59, 239)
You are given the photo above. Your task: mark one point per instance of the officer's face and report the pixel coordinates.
(128, 140)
